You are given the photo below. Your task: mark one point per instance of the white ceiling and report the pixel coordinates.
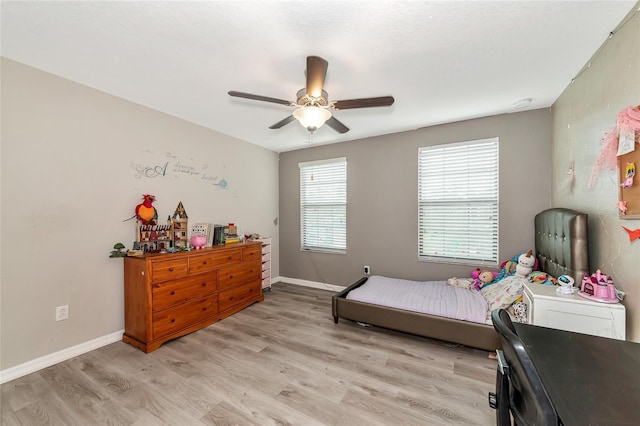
(443, 61)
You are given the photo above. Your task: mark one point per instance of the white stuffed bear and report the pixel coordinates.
(525, 264)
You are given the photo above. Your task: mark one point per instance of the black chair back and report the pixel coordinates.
(528, 400)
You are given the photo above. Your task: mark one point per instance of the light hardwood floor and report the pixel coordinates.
(282, 361)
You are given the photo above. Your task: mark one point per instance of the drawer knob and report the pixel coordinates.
(170, 269)
(204, 309)
(204, 263)
(173, 320)
(204, 284)
(173, 292)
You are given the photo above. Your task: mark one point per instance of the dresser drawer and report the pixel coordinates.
(213, 261)
(266, 282)
(228, 277)
(253, 252)
(168, 270)
(185, 315)
(169, 293)
(236, 295)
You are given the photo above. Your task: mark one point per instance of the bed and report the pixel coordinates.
(561, 247)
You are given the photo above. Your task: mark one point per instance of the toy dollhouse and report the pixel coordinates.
(180, 226)
(171, 236)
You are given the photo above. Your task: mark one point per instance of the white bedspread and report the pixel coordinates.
(429, 297)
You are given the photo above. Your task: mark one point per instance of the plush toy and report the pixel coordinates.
(539, 277)
(476, 274)
(480, 279)
(145, 212)
(518, 311)
(525, 264)
(508, 267)
(485, 277)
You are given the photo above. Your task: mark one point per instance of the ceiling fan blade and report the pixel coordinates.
(259, 98)
(282, 122)
(364, 102)
(316, 73)
(337, 125)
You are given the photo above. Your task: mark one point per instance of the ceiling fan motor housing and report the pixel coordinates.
(305, 99)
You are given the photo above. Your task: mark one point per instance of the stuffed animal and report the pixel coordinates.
(460, 282)
(518, 311)
(480, 279)
(145, 212)
(525, 264)
(508, 267)
(476, 274)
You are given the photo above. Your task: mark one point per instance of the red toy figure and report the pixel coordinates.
(145, 211)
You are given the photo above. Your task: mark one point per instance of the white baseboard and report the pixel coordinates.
(56, 357)
(314, 284)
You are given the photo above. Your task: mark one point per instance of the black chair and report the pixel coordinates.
(519, 390)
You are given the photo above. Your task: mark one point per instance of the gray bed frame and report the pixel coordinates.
(561, 246)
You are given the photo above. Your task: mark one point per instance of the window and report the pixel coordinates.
(458, 202)
(323, 205)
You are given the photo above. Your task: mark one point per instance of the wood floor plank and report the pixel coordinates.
(21, 393)
(279, 362)
(46, 411)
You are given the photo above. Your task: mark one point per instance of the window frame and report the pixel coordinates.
(480, 247)
(333, 206)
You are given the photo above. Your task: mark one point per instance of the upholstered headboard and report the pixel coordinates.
(562, 243)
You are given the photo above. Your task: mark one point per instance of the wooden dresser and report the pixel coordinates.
(170, 295)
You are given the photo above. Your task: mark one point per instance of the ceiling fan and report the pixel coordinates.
(312, 104)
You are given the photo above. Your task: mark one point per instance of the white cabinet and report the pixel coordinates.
(571, 312)
(266, 262)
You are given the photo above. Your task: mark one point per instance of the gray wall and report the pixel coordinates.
(581, 116)
(69, 177)
(382, 205)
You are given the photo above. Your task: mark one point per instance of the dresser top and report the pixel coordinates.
(206, 250)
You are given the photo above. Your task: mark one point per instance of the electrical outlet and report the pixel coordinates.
(62, 312)
(367, 269)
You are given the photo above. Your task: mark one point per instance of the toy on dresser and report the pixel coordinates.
(565, 285)
(598, 287)
(198, 241)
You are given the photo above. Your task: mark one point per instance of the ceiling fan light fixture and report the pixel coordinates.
(523, 103)
(312, 117)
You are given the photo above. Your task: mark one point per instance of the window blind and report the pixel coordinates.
(458, 202)
(323, 205)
